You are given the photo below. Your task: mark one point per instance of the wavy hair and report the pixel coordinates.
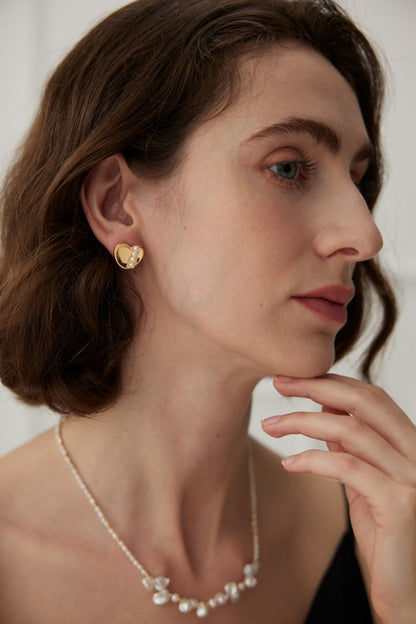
(138, 83)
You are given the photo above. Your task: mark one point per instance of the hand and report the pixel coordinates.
(372, 450)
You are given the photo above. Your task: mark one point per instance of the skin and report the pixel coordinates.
(372, 450)
(228, 242)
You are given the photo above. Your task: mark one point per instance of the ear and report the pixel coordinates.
(106, 200)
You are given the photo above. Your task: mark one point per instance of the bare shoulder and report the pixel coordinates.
(302, 519)
(27, 477)
(318, 497)
(308, 511)
(24, 471)
(29, 482)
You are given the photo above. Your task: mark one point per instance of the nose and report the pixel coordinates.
(348, 228)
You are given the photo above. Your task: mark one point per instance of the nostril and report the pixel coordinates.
(345, 251)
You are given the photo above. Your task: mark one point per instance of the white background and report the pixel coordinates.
(34, 36)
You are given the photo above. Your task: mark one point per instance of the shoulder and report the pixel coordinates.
(32, 491)
(315, 498)
(31, 486)
(303, 521)
(306, 511)
(23, 491)
(33, 525)
(24, 469)
(26, 476)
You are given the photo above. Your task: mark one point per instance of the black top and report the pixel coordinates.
(341, 597)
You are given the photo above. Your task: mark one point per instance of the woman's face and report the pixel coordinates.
(266, 207)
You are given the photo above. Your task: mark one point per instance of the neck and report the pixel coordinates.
(174, 447)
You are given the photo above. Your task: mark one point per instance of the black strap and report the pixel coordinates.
(341, 597)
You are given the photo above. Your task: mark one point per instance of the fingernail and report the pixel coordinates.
(283, 379)
(269, 422)
(287, 461)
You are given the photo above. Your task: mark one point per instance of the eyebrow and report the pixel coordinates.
(320, 132)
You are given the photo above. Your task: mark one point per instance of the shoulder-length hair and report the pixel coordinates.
(139, 83)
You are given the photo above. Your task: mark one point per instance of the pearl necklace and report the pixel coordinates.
(159, 584)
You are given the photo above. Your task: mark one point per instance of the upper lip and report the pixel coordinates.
(336, 293)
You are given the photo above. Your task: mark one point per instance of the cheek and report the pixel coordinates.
(186, 264)
(200, 271)
(227, 273)
(228, 241)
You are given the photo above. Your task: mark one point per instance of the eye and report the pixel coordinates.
(287, 170)
(292, 173)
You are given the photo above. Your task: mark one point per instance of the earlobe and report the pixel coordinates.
(103, 196)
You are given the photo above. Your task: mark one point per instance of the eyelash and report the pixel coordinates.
(305, 170)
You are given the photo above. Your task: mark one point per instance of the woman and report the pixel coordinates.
(190, 213)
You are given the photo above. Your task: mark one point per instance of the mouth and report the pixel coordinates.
(329, 302)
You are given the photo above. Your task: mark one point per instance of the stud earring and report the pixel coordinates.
(128, 257)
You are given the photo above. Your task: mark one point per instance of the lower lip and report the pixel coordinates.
(335, 312)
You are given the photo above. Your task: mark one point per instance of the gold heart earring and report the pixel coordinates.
(128, 257)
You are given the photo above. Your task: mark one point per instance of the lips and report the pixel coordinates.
(328, 302)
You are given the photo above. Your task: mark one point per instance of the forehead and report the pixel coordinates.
(290, 81)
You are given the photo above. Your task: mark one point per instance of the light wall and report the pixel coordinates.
(36, 33)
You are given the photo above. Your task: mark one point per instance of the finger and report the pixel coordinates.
(391, 503)
(351, 435)
(362, 478)
(367, 403)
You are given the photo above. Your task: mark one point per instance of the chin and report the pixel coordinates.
(307, 363)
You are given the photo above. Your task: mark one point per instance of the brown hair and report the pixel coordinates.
(138, 83)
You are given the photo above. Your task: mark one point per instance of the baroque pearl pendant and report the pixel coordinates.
(161, 597)
(232, 592)
(202, 610)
